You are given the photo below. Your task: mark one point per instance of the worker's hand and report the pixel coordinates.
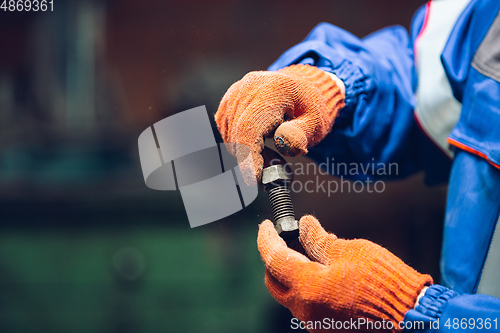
(340, 279)
(298, 104)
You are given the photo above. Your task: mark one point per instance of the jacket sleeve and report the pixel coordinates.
(443, 310)
(376, 128)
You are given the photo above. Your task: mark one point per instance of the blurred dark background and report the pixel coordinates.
(85, 246)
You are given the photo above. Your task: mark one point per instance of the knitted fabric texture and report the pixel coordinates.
(340, 279)
(297, 104)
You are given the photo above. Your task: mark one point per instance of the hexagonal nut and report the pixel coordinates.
(276, 173)
(287, 226)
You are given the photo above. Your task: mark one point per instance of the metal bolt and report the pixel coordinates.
(275, 180)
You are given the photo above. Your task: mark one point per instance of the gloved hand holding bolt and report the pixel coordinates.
(297, 104)
(341, 279)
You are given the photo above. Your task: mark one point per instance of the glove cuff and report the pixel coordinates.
(396, 287)
(328, 88)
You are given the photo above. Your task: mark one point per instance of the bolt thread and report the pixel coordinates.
(281, 202)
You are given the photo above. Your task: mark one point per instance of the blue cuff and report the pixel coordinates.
(354, 79)
(434, 300)
(431, 305)
(355, 82)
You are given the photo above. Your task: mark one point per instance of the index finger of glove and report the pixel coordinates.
(280, 292)
(250, 163)
(279, 260)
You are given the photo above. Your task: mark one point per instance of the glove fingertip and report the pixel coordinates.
(268, 237)
(290, 140)
(250, 163)
(258, 163)
(265, 225)
(314, 239)
(309, 225)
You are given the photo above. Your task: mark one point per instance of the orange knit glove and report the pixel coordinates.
(342, 279)
(298, 104)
